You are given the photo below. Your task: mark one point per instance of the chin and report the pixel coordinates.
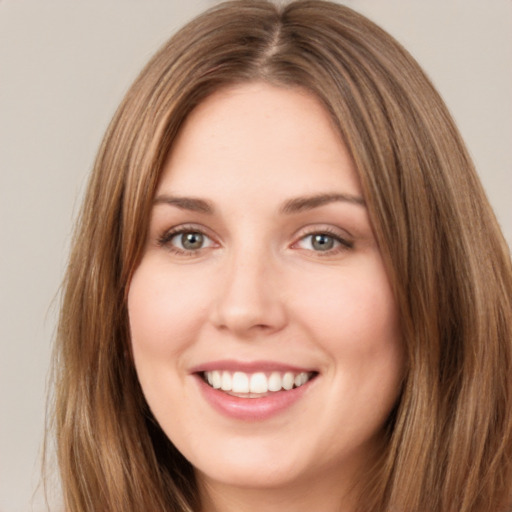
(253, 467)
(250, 476)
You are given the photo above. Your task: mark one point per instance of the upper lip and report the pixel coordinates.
(248, 366)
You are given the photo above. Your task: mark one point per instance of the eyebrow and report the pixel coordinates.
(186, 203)
(295, 205)
(300, 204)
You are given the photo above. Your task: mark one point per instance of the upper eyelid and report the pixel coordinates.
(335, 231)
(188, 227)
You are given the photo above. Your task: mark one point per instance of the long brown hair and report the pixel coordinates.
(449, 441)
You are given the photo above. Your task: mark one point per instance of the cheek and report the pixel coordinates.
(165, 312)
(353, 317)
(352, 310)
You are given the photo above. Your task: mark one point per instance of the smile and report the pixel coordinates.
(255, 385)
(253, 391)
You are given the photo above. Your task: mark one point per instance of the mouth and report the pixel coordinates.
(255, 384)
(253, 391)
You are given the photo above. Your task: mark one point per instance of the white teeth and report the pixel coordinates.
(216, 379)
(300, 379)
(226, 380)
(255, 383)
(240, 383)
(288, 380)
(275, 382)
(258, 383)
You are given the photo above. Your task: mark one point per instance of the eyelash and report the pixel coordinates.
(342, 243)
(165, 240)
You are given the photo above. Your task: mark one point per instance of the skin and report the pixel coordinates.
(258, 289)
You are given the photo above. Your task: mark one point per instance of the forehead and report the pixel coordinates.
(262, 135)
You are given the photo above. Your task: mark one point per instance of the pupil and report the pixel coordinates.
(192, 240)
(323, 242)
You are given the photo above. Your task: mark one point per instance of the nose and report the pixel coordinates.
(249, 301)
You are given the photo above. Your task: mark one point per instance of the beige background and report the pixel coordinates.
(64, 67)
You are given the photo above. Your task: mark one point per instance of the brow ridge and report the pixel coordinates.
(299, 204)
(295, 205)
(186, 203)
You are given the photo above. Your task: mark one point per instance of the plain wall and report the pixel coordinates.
(64, 67)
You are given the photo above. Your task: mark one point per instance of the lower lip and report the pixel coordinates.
(251, 409)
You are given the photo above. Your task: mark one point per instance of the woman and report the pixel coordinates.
(287, 289)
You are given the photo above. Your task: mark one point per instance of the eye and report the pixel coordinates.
(186, 240)
(323, 242)
(191, 241)
(320, 242)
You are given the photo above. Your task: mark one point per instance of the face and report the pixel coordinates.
(264, 330)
